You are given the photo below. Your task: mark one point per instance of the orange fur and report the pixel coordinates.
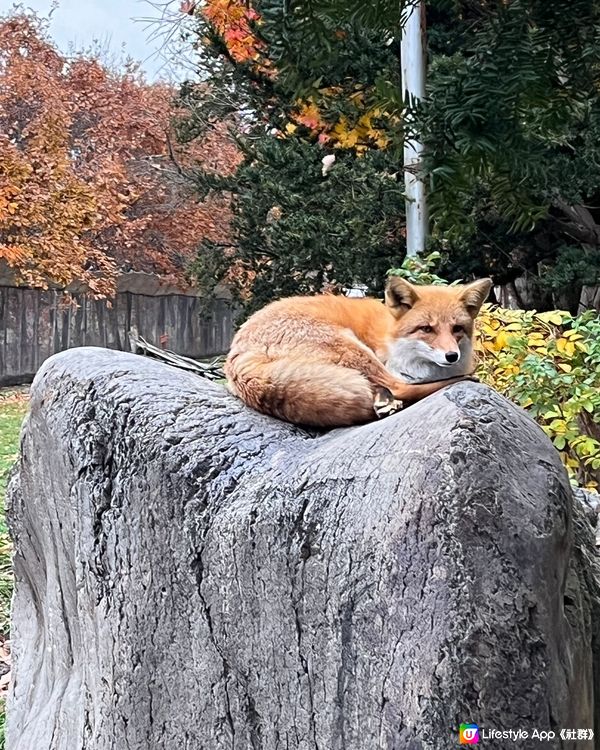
(318, 360)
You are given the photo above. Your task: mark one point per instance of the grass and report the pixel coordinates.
(13, 405)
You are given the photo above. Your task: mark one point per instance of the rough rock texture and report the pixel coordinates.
(191, 575)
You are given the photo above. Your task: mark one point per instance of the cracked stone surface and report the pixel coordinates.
(191, 575)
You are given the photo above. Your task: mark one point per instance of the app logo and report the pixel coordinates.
(468, 734)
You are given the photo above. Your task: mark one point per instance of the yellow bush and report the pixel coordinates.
(549, 363)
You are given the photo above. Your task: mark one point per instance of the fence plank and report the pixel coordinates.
(34, 324)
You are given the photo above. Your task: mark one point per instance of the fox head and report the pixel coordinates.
(433, 332)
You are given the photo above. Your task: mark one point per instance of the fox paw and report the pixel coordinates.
(384, 403)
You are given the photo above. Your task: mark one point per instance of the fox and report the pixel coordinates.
(330, 361)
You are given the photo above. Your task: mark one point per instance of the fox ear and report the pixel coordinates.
(400, 296)
(475, 294)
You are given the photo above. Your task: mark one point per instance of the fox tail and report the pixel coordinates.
(301, 391)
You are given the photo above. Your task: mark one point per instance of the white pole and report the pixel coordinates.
(412, 53)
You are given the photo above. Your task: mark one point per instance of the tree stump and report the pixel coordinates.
(192, 575)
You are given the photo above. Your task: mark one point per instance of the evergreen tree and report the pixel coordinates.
(300, 227)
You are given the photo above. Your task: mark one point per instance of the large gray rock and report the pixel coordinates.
(191, 575)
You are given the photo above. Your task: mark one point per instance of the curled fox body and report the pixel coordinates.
(321, 360)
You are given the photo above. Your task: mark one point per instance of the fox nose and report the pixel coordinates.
(451, 356)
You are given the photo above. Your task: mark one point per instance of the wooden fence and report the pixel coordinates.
(34, 324)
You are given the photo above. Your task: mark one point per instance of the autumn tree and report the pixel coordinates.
(92, 181)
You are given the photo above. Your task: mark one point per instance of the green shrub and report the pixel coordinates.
(549, 363)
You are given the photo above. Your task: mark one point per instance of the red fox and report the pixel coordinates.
(322, 361)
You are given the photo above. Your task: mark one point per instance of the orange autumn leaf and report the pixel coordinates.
(310, 117)
(87, 185)
(233, 20)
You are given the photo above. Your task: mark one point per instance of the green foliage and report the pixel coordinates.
(311, 16)
(505, 106)
(511, 128)
(345, 40)
(299, 232)
(419, 270)
(574, 266)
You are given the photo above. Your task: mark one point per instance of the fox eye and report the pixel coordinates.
(425, 329)
(458, 329)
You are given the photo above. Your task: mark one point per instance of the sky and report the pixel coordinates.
(111, 23)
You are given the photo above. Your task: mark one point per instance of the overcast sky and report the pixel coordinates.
(112, 23)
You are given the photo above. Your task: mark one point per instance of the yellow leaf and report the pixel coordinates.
(501, 341)
(345, 138)
(365, 120)
(552, 413)
(553, 316)
(561, 344)
(565, 367)
(559, 426)
(350, 139)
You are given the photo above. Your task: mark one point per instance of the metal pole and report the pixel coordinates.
(412, 55)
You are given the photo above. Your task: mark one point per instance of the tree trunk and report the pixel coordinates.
(191, 575)
(590, 299)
